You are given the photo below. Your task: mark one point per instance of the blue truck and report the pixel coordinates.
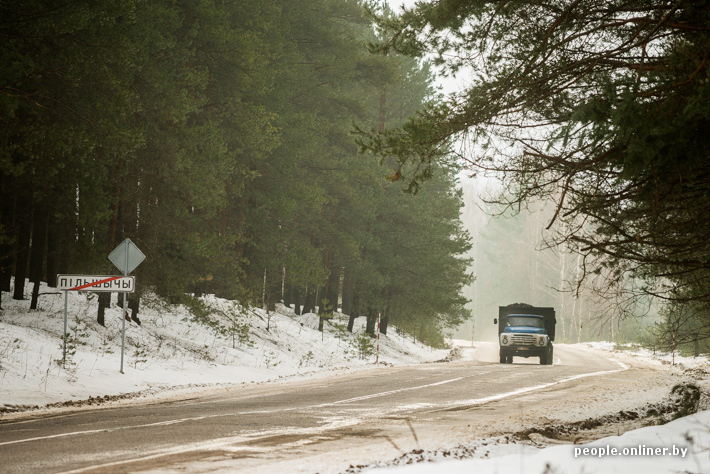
(525, 331)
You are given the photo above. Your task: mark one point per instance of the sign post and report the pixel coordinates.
(126, 257)
(69, 283)
(64, 355)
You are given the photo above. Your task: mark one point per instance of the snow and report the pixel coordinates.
(686, 443)
(172, 351)
(681, 445)
(658, 357)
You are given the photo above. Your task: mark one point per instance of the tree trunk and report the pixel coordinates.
(320, 296)
(341, 287)
(52, 246)
(371, 322)
(309, 303)
(24, 218)
(287, 296)
(296, 300)
(348, 287)
(353, 312)
(383, 111)
(332, 291)
(271, 300)
(39, 242)
(35, 295)
(104, 302)
(263, 292)
(384, 323)
(134, 306)
(6, 214)
(66, 234)
(105, 298)
(283, 284)
(273, 293)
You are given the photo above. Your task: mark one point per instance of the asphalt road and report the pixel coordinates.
(337, 420)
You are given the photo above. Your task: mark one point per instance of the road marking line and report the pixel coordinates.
(224, 443)
(364, 397)
(390, 392)
(198, 418)
(481, 401)
(478, 401)
(111, 430)
(62, 435)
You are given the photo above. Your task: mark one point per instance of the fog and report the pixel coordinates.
(512, 264)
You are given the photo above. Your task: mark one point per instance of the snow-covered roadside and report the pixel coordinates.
(680, 446)
(686, 440)
(170, 349)
(658, 357)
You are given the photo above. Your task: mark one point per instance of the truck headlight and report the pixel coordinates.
(504, 340)
(541, 341)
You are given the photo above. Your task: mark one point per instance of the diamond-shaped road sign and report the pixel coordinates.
(126, 256)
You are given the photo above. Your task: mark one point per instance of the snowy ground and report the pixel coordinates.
(680, 446)
(171, 351)
(662, 358)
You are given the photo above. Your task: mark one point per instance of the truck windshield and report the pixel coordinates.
(526, 321)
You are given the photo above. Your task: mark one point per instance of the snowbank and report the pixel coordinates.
(680, 446)
(657, 356)
(172, 349)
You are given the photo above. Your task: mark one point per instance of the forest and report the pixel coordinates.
(220, 138)
(595, 111)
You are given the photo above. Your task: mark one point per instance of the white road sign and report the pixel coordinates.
(120, 284)
(126, 256)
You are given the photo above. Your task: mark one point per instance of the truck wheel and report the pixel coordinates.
(502, 358)
(550, 356)
(543, 359)
(509, 360)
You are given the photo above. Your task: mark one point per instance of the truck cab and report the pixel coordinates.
(525, 331)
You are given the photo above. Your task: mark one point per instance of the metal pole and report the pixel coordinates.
(64, 357)
(123, 331)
